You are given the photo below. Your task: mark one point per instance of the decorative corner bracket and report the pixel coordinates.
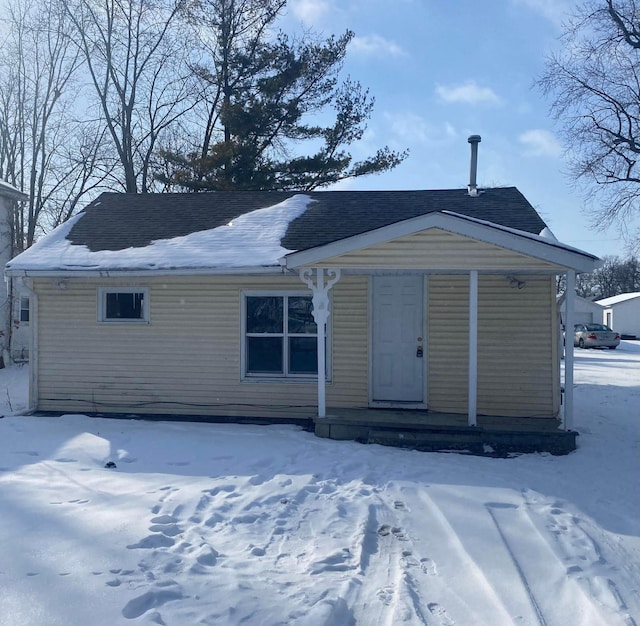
(320, 285)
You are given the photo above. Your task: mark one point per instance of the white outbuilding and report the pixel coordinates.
(584, 311)
(622, 313)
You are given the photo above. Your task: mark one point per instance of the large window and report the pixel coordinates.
(123, 305)
(280, 336)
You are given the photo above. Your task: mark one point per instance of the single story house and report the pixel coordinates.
(422, 310)
(622, 313)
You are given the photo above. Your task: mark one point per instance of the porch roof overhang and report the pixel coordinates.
(535, 246)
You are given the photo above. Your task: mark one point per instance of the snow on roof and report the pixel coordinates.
(623, 297)
(249, 241)
(9, 190)
(547, 233)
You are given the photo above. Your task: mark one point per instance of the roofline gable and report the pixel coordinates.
(487, 232)
(619, 299)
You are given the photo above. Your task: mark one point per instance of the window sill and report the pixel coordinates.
(281, 379)
(124, 322)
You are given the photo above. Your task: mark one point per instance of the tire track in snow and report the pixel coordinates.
(497, 506)
(555, 595)
(380, 568)
(383, 585)
(466, 589)
(582, 556)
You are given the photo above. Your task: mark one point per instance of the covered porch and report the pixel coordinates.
(432, 431)
(450, 303)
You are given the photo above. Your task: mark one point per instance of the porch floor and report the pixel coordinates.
(432, 431)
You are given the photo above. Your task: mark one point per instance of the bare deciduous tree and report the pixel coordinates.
(616, 276)
(38, 124)
(133, 52)
(594, 86)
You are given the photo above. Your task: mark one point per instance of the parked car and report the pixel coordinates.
(595, 336)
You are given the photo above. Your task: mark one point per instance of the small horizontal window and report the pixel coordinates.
(123, 305)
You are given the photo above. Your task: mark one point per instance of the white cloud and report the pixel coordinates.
(539, 142)
(412, 128)
(467, 93)
(310, 11)
(375, 45)
(553, 10)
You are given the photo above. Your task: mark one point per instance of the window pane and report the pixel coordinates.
(303, 355)
(301, 316)
(24, 309)
(124, 306)
(264, 314)
(264, 355)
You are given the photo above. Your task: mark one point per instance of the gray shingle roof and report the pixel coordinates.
(116, 221)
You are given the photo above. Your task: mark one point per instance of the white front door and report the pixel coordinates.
(398, 347)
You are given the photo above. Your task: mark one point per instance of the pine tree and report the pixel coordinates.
(267, 96)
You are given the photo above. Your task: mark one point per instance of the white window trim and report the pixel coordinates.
(280, 378)
(102, 309)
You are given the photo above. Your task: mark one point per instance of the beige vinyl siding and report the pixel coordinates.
(436, 249)
(517, 371)
(448, 343)
(350, 337)
(187, 360)
(517, 355)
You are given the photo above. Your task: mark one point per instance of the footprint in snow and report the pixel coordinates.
(337, 562)
(440, 614)
(149, 600)
(169, 530)
(385, 595)
(385, 530)
(152, 541)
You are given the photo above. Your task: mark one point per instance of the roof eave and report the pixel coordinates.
(9, 191)
(517, 241)
(121, 273)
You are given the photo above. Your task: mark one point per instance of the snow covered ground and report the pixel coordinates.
(229, 525)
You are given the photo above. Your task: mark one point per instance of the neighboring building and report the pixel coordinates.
(214, 304)
(9, 195)
(584, 311)
(20, 319)
(622, 313)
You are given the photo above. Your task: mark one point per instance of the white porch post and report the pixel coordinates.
(473, 347)
(569, 300)
(321, 311)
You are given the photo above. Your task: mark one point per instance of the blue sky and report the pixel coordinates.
(442, 70)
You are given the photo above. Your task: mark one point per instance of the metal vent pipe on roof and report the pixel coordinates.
(474, 140)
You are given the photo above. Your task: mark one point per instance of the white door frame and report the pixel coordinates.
(400, 405)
